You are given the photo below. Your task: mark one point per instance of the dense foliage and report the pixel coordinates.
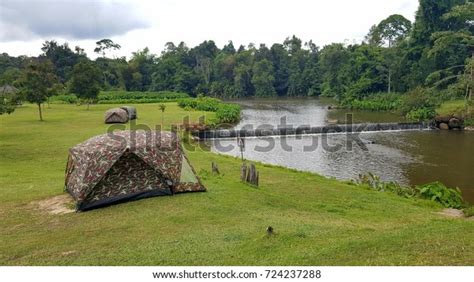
(377, 102)
(225, 113)
(118, 97)
(397, 56)
(85, 81)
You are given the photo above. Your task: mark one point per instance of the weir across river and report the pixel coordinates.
(309, 130)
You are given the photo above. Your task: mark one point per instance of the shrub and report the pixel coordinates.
(376, 102)
(419, 105)
(421, 114)
(374, 182)
(64, 99)
(118, 97)
(228, 113)
(438, 192)
(469, 211)
(225, 113)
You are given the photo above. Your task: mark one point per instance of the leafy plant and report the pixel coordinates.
(376, 102)
(469, 211)
(375, 182)
(438, 192)
(225, 113)
(421, 114)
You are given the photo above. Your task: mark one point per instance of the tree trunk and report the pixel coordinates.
(471, 79)
(389, 80)
(40, 112)
(162, 118)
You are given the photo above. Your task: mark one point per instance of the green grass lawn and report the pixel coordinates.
(318, 221)
(455, 107)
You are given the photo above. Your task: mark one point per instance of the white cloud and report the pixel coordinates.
(243, 21)
(72, 19)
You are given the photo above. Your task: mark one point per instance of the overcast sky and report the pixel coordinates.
(25, 24)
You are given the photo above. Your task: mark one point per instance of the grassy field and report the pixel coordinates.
(318, 221)
(455, 107)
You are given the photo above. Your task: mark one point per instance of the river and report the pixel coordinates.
(408, 157)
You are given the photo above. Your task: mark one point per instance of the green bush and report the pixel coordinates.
(64, 99)
(374, 182)
(118, 97)
(376, 102)
(137, 101)
(419, 104)
(421, 114)
(438, 192)
(225, 113)
(201, 103)
(469, 211)
(228, 113)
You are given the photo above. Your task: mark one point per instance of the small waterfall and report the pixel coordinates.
(306, 130)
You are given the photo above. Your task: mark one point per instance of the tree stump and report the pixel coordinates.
(243, 173)
(249, 174)
(215, 168)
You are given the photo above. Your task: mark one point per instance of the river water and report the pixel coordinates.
(408, 157)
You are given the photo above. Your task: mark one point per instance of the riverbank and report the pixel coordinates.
(316, 220)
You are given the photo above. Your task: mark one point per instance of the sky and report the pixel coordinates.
(135, 24)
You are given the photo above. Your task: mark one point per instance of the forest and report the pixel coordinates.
(430, 59)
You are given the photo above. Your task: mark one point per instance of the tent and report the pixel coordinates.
(8, 89)
(128, 165)
(116, 115)
(131, 111)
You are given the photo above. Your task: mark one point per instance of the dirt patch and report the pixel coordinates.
(454, 213)
(61, 204)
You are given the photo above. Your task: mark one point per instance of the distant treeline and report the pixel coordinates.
(397, 56)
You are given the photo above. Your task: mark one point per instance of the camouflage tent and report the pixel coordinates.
(128, 165)
(131, 111)
(116, 115)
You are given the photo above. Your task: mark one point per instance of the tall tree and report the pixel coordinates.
(104, 45)
(390, 32)
(263, 79)
(38, 83)
(62, 57)
(86, 81)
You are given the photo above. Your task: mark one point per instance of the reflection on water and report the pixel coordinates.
(409, 157)
(295, 111)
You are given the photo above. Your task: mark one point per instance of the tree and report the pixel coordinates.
(263, 79)
(85, 81)
(38, 83)
(9, 99)
(62, 57)
(162, 109)
(462, 41)
(391, 31)
(104, 45)
(335, 66)
(281, 61)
